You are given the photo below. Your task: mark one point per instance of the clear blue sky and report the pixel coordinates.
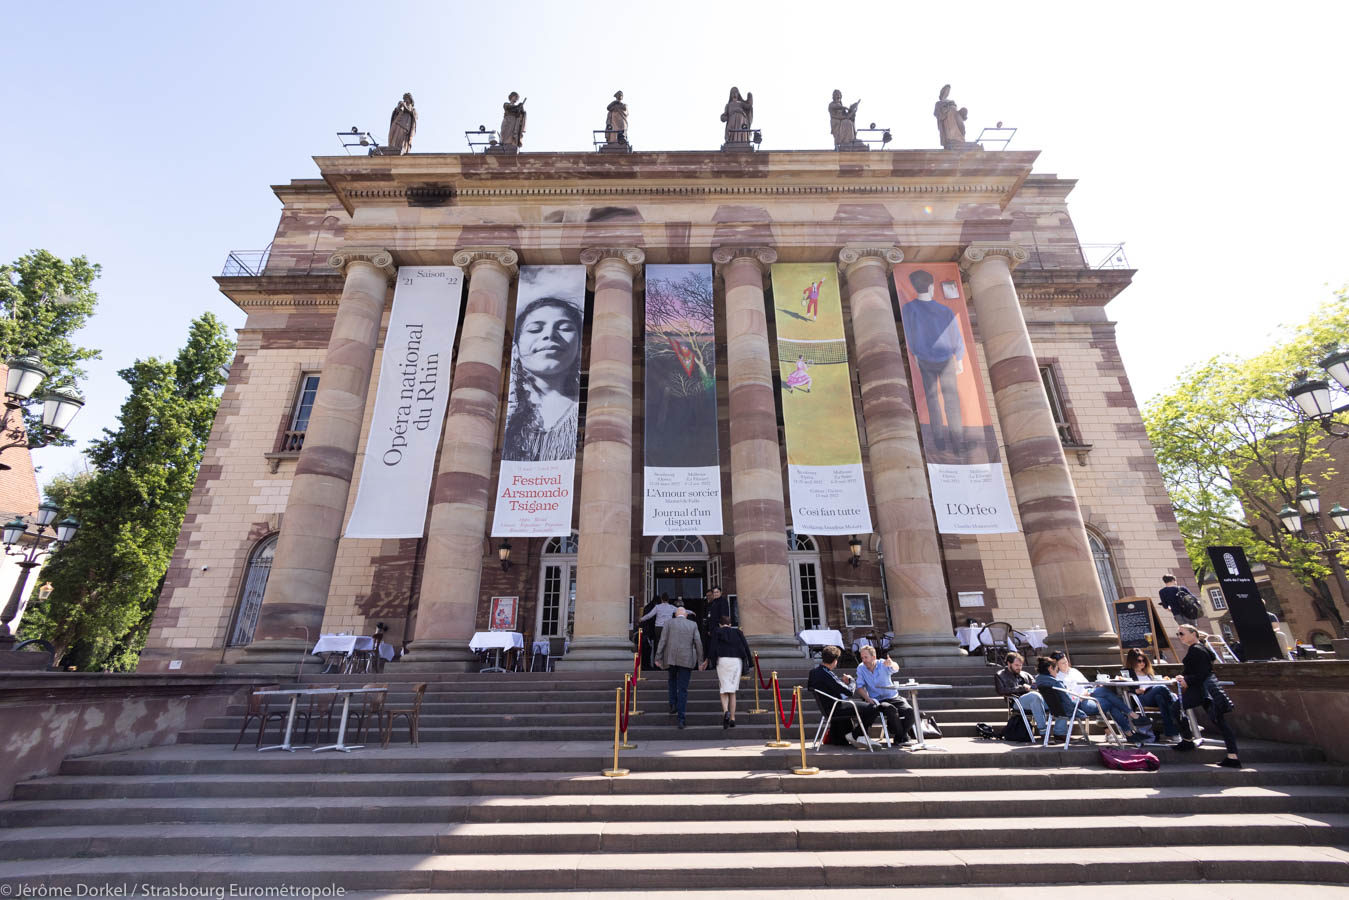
(1209, 139)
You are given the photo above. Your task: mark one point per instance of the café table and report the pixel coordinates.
(346, 645)
(911, 688)
(497, 641)
(543, 647)
(347, 694)
(296, 693)
(1125, 685)
(820, 637)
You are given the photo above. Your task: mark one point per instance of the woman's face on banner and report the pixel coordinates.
(548, 342)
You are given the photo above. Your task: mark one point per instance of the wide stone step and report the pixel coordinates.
(590, 783)
(665, 870)
(680, 807)
(65, 841)
(647, 701)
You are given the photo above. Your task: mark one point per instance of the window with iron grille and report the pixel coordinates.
(1056, 406)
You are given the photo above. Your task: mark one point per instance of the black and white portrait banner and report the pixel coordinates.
(538, 452)
(414, 386)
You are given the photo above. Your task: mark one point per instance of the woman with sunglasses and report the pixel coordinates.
(1140, 669)
(1199, 687)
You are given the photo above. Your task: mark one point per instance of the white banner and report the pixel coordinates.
(970, 499)
(681, 499)
(828, 499)
(413, 389)
(538, 451)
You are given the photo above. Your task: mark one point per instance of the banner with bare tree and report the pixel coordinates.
(682, 473)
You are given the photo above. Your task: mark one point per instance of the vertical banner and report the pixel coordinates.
(414, 386)
(681, 478)
(538, 452)
(969, 493)
(1245, 605)
(824, 458)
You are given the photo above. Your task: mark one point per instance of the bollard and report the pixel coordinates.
(803, 769)
(757, 708)
(777, 718)
(627, 713)
(616, 772)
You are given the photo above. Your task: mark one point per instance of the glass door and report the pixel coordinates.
(806, 594)
(557, 580)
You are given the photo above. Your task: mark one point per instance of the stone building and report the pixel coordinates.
(261, 567)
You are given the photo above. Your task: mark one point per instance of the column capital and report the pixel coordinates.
(978, 251)
(855, 253)
(761, 256)
(633, 256)
(470, 257)
(376, 256)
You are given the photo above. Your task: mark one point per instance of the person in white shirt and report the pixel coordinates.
(662, 612)
(1112, 703)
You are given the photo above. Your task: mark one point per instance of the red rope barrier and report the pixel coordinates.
(791, 717)
(763, 685)
(637, 665)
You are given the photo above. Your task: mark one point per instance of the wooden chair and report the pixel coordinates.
(372, 707)
(321, 708)
(258, 709)
(413, 714)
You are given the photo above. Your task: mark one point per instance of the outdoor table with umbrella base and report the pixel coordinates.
(295, 695)
(911, 689)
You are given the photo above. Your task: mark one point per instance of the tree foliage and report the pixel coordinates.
(130, 507)
(1234, 450)
(44, 300)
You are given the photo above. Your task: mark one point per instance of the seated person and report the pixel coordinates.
(1047, 676)
(875, 687)
(1105, 698)
(1012, 682)
(843, 726)
(1140, 669)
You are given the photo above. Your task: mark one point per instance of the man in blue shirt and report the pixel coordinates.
(875, 687)
(932, 332)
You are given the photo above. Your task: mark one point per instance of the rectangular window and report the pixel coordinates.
(1215, 596)
(306, 391)
(1056, 406)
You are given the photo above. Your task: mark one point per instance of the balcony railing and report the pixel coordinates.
(243, 263)
(1047, 255)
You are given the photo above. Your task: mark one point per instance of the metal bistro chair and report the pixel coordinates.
(557, 648)
(412, 713)
(259, 709)
(1014, 707)
(1061, 703)
(827, 715)
(993, 638)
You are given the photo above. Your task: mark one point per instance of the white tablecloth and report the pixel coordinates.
(497, 640)
(542, 646)
(1035, 636)
(972, 637)
(858, 644)
(343, 643)
(821, 637)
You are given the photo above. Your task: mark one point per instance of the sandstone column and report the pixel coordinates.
(604, 556)
(297, 590)
(447, 604)
(918, 597)
(761, 577)
(1061, 562)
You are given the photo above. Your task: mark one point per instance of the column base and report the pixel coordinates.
(596, 654)
(280, 657)
(439, 656)
(926, 648)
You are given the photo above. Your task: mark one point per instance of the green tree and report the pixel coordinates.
(44, 300)
(1234, 450)
(130, 507)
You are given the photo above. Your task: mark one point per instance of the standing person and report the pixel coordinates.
(660, 616)
(1199, 687)
(679, 651)
(874, 685)
(1179, 601)
(728, 652)
(715, 605)
(933, 333)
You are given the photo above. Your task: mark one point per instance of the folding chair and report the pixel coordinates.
(1057, 706)
(1014, 707)
(827, 716)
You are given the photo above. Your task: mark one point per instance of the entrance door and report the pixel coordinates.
(803, 559)
(557, 587)
(684, 580)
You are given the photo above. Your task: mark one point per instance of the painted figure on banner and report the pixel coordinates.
(799, 379)
(681, 404)
(843, 122)
(513, 121)
(738, 116)
(950, 121)
(810, 299)
(933, 333)
(402, 126)
(541, 411)
(616, 122)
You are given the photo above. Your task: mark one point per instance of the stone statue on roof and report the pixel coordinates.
(616, 121)
(513, 121)
(951, 123)
(843, 124)
(402, 126)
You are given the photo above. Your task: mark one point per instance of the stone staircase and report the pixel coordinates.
(519, 804)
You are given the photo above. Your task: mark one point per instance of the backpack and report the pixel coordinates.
(1015, 731)
(1187, 604)
(1129, 760)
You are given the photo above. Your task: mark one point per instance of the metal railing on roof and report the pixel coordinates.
(245, 263)
(1049, 255)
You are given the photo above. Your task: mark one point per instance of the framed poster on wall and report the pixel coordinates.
(857, 610)
(504, 610)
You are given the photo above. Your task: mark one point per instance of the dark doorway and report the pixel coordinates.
(682, 580)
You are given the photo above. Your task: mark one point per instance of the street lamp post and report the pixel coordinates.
(59, 405)
(10, 535)
(1310, 501)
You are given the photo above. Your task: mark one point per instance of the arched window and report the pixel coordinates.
(801, 543)
(683, 544)
(250, 596)
(564, 546)
(1105, 567)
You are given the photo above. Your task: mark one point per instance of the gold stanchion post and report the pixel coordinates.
(635, 711)
(803, 769)
(627, 681)
(777, 718)
(616, 772)
(640, 676)
(757, 708)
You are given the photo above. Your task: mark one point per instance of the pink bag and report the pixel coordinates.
(1129, 760)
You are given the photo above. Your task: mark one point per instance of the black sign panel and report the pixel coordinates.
(1135, 624)
(1247, 609)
